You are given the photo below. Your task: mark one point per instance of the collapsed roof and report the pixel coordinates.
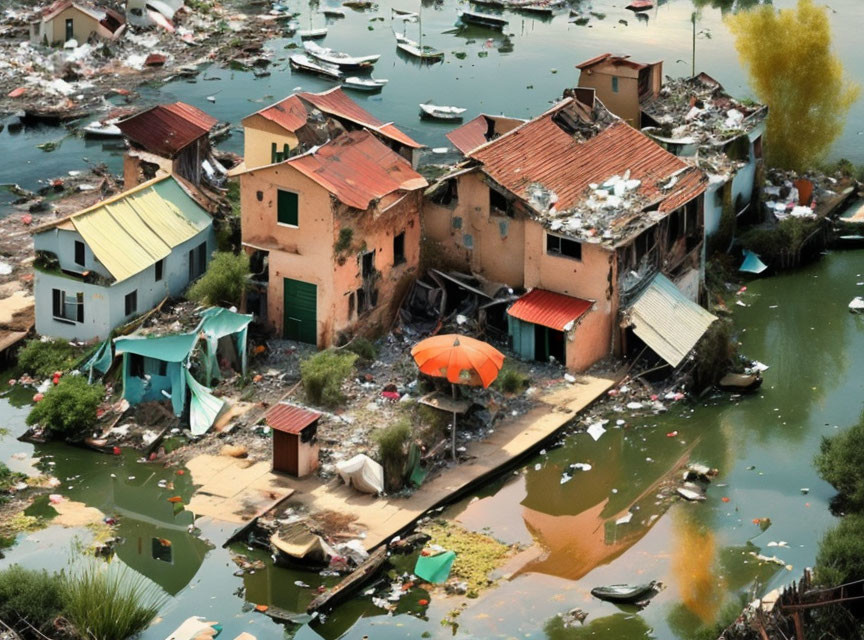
(167, 129)
(585, 173)
(482, 129)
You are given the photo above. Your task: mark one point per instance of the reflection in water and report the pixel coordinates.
(618, 625)
(693, 567)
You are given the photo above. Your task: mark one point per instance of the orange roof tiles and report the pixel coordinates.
(549, 309)
(290, 418)
(166, 129)
(470, 135)
(289, 113)
(358, 168)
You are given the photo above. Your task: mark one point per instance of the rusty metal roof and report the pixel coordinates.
(289, 418)
(541, 157)
(608, 58)
(166, 129)
(477, 132)
(290, 113)
(549, 309)
(358, 168)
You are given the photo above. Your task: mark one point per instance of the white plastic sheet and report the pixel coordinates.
(362, 473)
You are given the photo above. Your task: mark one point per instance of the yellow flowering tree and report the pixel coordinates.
(794, 71)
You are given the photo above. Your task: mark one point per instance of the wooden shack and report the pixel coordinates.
(295, 439)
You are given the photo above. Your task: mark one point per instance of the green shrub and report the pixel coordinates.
(323, 375)
(232, 195)
(841, 552)
(840, 462)
(109, 601)
(510, 380)
(364, 348)
(224, 282)
(34, 596)
(715, 354)
(43, 358)
(70, 407)
(392, 442)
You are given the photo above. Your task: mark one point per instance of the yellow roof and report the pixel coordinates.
(137, 228)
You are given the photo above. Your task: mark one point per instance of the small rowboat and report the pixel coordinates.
(306, 64)
(363, 84)
(624, 592)
(640, 5)
(312, 34)
(339, 59)
(483, 20)
(415, 50)
(436, 112)
(107, 129)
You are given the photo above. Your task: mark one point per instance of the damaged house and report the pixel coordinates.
(169, 138)
(695, 119)
(305, 119)
(67, 20)
(334, 236)
(105, 265)
(585, 214)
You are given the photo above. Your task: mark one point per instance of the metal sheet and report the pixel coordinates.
(549, 309)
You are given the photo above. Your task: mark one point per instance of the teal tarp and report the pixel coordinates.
(218, 323)
(435, 569)
(100, 361)
(204, 406)
(752, 263)
(173, 348)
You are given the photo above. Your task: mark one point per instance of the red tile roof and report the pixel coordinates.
(549, 309)
(290, 113)
(289, 418)
(541, 152)
(358, 168)
(166, 129)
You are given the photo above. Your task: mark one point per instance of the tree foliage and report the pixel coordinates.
(224, 282)
(70, 407)
(34, 596)
(841, 552)
(840, 462)
(794, 71)
(43, 357)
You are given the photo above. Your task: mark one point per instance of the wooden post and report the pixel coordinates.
(799, 625)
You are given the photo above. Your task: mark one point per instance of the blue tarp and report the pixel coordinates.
(752, 263)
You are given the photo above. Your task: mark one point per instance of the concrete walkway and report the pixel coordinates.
(238, 490)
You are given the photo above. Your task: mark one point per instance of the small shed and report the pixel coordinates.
(295, 439)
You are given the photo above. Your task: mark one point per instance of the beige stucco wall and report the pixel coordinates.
(624, 103)
(498, 241)
(259, 134)
(82, 26)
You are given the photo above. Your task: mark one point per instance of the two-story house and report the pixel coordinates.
(338, 228)
(102, 266)
(582, 211)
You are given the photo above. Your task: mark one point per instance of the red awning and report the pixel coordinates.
(289, 418)
(549, 309)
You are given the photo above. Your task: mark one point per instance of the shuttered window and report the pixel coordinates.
(286, 208)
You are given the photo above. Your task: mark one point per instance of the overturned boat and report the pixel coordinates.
(440, 112)
(312, 34)
(414, 49)
(483, 20)
(339, 59)
(625, 593)
(303, 63)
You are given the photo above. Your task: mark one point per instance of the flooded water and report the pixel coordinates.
(762, 445)
(517, 75)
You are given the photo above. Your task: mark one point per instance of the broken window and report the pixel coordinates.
(160, 268)
(67, 308)
(367, 264)
(131, 302)
(558, 246)
(161, 550)
(675, 226)
(287, 208)
(136, 365)
(498, 204)
(643, 244)
(399, 248)
(350, 305)
(614, 84)
(447, 193)
(202, 258)
(79, 253)
(691, 218)
(456, 222)
(361, 301)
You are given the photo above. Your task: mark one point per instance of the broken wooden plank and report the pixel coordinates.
(346, 587)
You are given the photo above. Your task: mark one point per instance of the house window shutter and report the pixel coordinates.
(57, 302)
(80, 300)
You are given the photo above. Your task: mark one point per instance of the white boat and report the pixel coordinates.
(482, 20)
(416, 50)
(363, 84)
(439, 112)
(302, 62)
(312, 34)
(338, 58)
(107, 129)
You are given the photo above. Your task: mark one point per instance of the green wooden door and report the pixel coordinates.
(300, 303)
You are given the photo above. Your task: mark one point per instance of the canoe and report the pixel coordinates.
(640, 5)
(339, 59)
(624, 592)
(306, 64)
(437, 112)
(483, 20)
(363, 84)
(312, 34)
(740, 382)
(413, 49)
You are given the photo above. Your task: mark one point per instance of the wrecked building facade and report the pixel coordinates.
(105, 265)
(66, 20)
(334, 236)
(581, 211)
(693, 118)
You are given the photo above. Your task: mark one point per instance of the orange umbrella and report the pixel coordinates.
(460, 359)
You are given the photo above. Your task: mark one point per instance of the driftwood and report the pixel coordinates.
(346, 587)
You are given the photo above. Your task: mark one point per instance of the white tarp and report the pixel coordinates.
(363, 473)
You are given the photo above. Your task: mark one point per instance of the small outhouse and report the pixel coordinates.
(295, 439)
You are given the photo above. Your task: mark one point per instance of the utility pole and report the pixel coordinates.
(693, 56)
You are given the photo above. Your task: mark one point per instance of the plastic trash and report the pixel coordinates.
(435, 569)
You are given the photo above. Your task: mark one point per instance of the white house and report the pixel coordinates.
(102, 266)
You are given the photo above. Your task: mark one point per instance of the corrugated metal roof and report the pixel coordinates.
(358, 168)
(667, 321)
(549, 309)
(290, 418)
(608, 58)
(166, 129)
(290, 113)
(135, 229)
(470, 135)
